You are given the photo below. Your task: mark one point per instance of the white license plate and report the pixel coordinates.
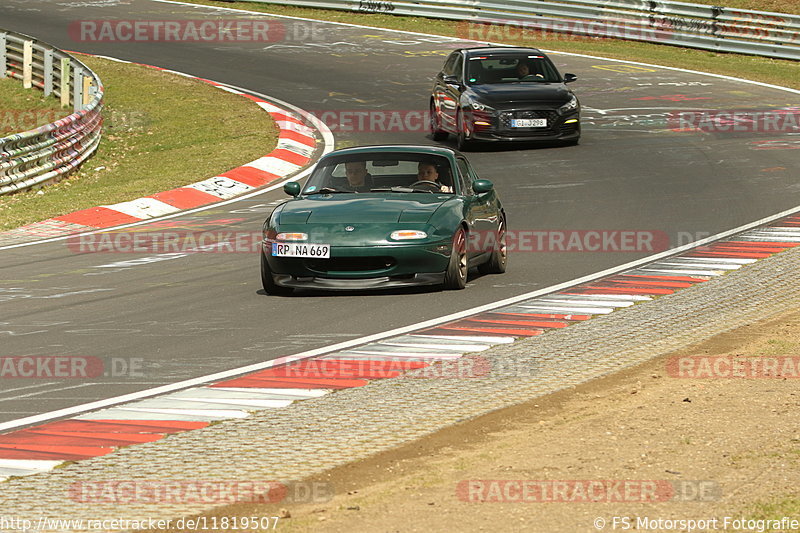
(295, 249)
(529, 123)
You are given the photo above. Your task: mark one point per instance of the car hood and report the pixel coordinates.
(370, 208)
(509, 94)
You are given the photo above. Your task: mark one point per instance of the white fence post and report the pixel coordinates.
(77, 89)
(86, 91)
(48, 72)
(27, 64)
(65, 81)
(2, 55)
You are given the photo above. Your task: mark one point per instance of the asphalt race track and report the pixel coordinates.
(168, 319)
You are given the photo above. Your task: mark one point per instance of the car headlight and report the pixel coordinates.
(480, 106)
(408, 235)
(569, 106)
(291, 237)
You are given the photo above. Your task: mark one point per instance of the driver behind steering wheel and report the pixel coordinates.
(427, 171)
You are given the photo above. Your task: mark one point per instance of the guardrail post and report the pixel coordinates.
(27, 64)
(65, 63)
(3, 64)
(77, 89)
(87, 96)
(48, 72)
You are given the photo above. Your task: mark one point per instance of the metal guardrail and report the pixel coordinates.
(42, 155)
(700, 26)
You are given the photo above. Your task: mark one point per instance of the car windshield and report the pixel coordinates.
(523, 68)
(381, 173)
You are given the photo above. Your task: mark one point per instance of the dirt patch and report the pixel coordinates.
(702, 448)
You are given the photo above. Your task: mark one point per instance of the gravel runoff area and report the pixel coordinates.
(305, 439)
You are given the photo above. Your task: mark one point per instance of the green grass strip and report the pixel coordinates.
(775, 6)
(26, 109)
(774, 511)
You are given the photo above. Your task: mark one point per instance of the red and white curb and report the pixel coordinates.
(295, 148)
(41, 448)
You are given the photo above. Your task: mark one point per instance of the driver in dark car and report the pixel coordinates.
(427, 171)
(526, 72)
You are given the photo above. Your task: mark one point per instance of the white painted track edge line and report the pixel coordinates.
(218, 376)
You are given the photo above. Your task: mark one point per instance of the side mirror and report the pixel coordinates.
(482, 186)
(451, 80)
(292, 188)
(569, 78)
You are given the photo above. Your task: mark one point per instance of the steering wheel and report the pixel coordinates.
(427, 183)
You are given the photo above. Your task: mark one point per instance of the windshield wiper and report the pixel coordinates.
(326, 190)
(392, 189)
(399, 189)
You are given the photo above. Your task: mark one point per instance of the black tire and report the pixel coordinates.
(455, 277)
(497, 262)
(270, 287)
(437, 133)
(462, 143)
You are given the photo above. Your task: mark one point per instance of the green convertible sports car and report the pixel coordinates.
(377, 217)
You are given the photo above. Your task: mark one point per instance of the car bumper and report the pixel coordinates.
(557, 130)
(336, 284)
(375, 267)
(507, 137)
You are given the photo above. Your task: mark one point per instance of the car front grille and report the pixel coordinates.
(551, 116)
(350, 264)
